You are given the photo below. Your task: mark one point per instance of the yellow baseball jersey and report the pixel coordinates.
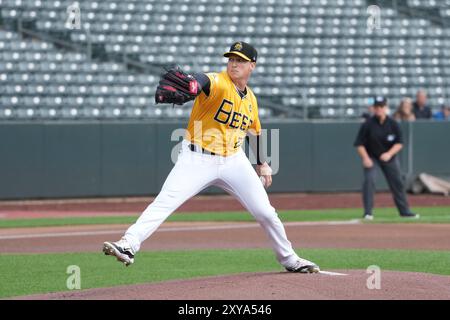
(219, 122)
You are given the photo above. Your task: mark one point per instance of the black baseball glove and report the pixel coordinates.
(176, 87)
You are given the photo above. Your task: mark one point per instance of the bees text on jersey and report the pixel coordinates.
(219, 122)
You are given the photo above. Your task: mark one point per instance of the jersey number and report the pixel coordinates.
(239, 142)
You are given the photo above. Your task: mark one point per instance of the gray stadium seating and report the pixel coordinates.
(318, 55)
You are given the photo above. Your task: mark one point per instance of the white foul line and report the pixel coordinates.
(58, 234)
(333, 273)
(168, 229)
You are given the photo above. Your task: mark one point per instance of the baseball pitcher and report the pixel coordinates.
(225, 110)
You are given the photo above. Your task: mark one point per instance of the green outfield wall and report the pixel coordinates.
(104, 159)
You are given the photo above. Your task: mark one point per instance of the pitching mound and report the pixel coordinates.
(273, 286)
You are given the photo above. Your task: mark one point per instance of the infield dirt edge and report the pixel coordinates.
(274, 286)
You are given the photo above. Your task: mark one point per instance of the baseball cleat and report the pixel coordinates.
(121, 250)
(303, 266)
(368, 217)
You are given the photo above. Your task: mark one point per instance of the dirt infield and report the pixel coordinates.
(132, 206)
(210, 235)
(187, 236)
(276, 286)
(259, 286)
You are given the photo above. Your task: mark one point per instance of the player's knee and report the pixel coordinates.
(265, 214)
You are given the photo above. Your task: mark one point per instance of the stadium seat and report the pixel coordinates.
(303, 46)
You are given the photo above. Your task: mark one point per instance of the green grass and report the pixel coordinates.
(382, 215)
(22, 274)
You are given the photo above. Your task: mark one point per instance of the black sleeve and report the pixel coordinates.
(204, 82)
(398, 133)
(257, 147)
(260, 151)
(361, 138)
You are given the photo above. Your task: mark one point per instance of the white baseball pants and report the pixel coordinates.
(194, 172)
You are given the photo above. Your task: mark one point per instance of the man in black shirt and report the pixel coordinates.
(378, 142)
(421, 110)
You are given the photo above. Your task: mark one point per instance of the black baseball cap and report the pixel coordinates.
(379, 101)
(243, 50)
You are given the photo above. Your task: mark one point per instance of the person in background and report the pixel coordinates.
(444, 114)
(405, 111)
(378, 142)
(421, 110)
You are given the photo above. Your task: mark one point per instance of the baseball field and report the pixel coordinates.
(212, 249)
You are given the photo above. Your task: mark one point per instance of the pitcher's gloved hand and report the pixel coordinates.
(176, 87)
